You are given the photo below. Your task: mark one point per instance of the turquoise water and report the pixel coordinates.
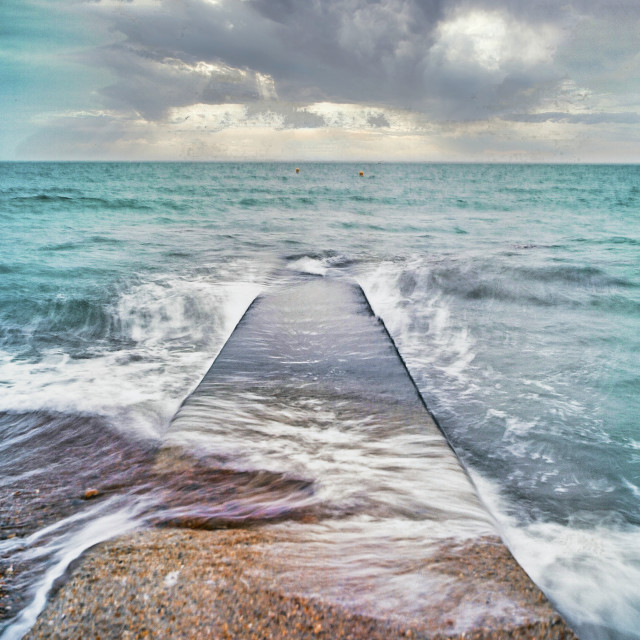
(512, 292)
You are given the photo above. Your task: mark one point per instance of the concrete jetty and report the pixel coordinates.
(350, 516)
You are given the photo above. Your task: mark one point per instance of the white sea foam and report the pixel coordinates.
(409, 473)
(380, 568)
(173, 327)
(591, 573)
(310, 265)
(363, 441)
(420, 322)
(64, 542)
(635, 489)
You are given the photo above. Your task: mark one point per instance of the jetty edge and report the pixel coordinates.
(287, 552)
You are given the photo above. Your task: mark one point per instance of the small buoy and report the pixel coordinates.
(90, 493)
(297, 170)
(361, 173)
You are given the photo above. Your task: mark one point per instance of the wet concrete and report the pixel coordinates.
(356, 518)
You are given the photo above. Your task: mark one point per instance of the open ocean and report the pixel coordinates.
(511, 291)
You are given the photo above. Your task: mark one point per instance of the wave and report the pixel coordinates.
(590, 570)
(634, 242)
(358, 225)
(318, 262)
(546, 286)
(43, 197)
(91, 240)
(617, 240)
(488, 206)
(575, 274)
(81, 201)
(358, 197)
(131, 352)
(541, 434)
(250, 203)
(164, 309)
(76, 324)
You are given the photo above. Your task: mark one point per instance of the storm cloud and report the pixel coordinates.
(444, 58)
(409, 67)
(449, 59)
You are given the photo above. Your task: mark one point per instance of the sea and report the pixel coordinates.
(512, 293)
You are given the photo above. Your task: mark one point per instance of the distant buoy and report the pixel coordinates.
(297, 170)
(361, 173)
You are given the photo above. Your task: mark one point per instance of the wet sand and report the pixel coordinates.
(180, 583)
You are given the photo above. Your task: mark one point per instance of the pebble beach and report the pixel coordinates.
(180, 583)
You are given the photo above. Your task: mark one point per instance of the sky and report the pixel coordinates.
(304, 80)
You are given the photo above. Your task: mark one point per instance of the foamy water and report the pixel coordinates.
(588, 564)
(512, 294)
(171, 329)
(59, 545)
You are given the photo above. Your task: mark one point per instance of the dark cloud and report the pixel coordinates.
(576, 118)
(150, 82)
(412, 54)
(346, 50)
